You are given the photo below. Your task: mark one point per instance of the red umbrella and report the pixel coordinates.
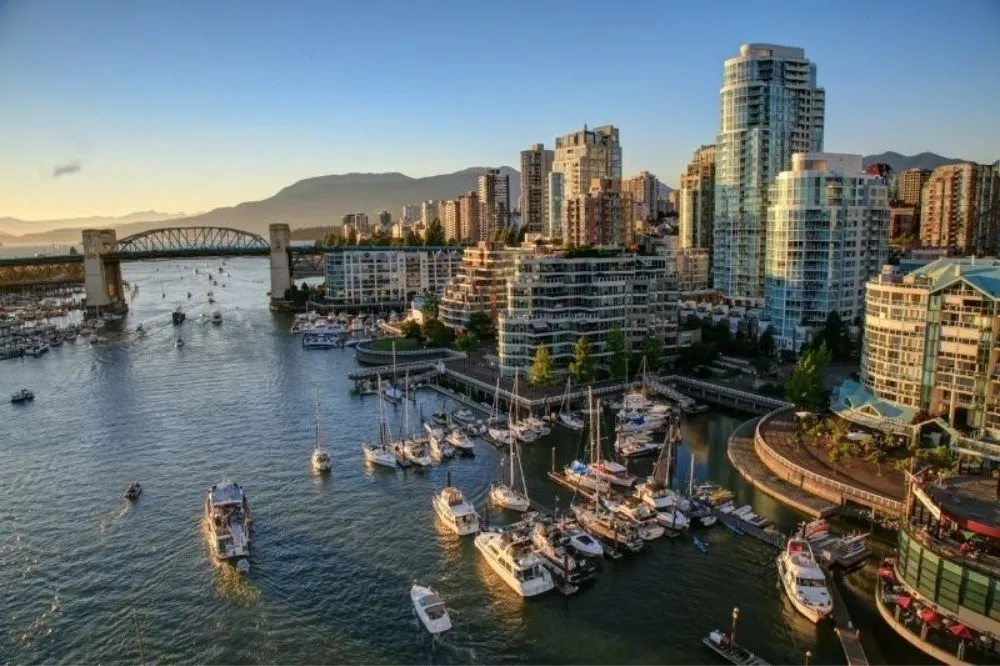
(961, 631)
(928, 616)
(886, 572)
(904, 602)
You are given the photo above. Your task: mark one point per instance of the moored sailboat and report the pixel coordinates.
(380, 452)
(320, 459)
(508, 493)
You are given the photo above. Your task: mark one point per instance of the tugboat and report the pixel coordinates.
(24, 395)
(179, 316)
(132, 491)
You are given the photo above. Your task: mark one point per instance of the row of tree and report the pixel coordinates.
(583, 367)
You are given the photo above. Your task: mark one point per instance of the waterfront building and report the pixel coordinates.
(451, 219)
(480, 284)
(494, 202)
(904, 221)
(555, 206)
(696, 200)
(583, 156)
(411, 213)
(947, 568)
(597, 217)
(959, 208)
(910, 186)
(428, 212)
(827, 236)
(644, 189)
(536, 165)
(931, 354)
(555, 299)
(772, 107)
(468, 212)
(378, 276)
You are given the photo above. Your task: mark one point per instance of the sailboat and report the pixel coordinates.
(320, 459)
(495, 432)
(698, 509)
(578, 473)
(507, 495)
(521, 430)
(380, 453)
(390, 390)
(655, 492)
(566, 417)
(414, 449)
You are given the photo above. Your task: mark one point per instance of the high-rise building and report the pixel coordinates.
(910, 186)
(904, 221)
(597, 217)
(555, 205)
(384, 221)
(468, 213)
(696, 200)
(827, 235)
(480, 284)
(771, 107)
(356, 221)
(959, 209)
(451, 219)
(411, 213)
(536, 164)
(494, 202)
(583, 156)
(428, 212)
(645, 190)
(387, 276)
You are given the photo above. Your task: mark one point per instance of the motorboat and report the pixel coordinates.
(416, 452)
(464, 415)
(24, 395)
(817, 530)
(554, 545)
(132, 491)
(178, 316)
(227, 515)
(540, 428)
(216, 316)
(460, 441)
(392, 393)
(571, 420)
(320, 459)
(523, 432)
(455, 511)
(439, 447)
(673, 518)
(313, 340)
(512, 556)
(640, 515)
(803, 580)
(578, 539)
(636, 446)
(500, 436)
(579, 475)
(614, 473)
(430, 609)
(602, 524)
(440, 418)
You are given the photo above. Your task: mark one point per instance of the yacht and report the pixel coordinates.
(455, 511)
(464, 415)
(227, 515)
(645, 519)
(566, 417)
(636, 446)
(512, 556)
(24, 395)
(314, 340)
(803, 580)
(499, 436)
(580, 475)
(540, 428)
(430, 609)
(614, 473)
(522, 432)
(460, 441)
(554, 545)
(579, 541)
(392, 393)
(440, 448)
(600, 523)
(416, 452)
(320, 459)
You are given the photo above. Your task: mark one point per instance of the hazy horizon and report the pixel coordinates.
(123, 107)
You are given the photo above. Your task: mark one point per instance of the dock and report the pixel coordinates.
(850, 638)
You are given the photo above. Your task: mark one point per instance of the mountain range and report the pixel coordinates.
(321, 201)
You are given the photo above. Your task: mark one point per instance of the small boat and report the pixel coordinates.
(216, 316)
(179, 342)
(614, 473)
(132, 491)
(721, 644)
(24, 395)
(455, 511)
(512, 556)
(430, 609)
(178, 316)
(461, 442)
(227, 514)
(803, 581)
(700, 545)
(320, 459)
(464, 415)
(440, 418)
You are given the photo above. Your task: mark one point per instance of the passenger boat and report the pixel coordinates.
(132, 491)
(512, 556)
(430, 609)
(734, 653)
(803, 580)
(24, 395)
(227, 514)
(320, 459)
(455, 511)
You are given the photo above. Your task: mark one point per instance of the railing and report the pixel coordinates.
(754, 398)
(987, 564)
(866, 497)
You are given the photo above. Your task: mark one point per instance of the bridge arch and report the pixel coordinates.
(191, 241)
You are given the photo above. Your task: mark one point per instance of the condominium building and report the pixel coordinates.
(411, 213)
(468, 212)
(536, 165)
(910, 186)
(480, 284)
(583, 156)
(932, 351)
(384, 220)
(693, 264)
(428, 212)
(959, 209)
(597, 217)
(696, 200)
(494, 202)
(644, 189)
(356, 221)
(828, 234)
(387, 276)
(555, 299)
(771, 107)
(450, 217)
(904, 221)
(555, 205)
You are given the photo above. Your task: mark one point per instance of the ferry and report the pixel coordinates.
(803, 581)
(227, 515)
(512, 557)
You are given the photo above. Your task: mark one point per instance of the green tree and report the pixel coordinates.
(836, 338)
(467, 343)
(435, 234)
(616, 346)
(652, 349)
(877, 456)
(410, 329)
(430, 307)
(805, 388)
(541, 367)
(582, 365)
(73, 251)
(413, 238)
(481, 324)
(437, 334)
(352, 237)
(765, 344)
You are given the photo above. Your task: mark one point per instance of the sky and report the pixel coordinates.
(114, 106)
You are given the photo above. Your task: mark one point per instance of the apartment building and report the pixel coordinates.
(480, 284)
(910, 186)
(772, 107)
(387, 276)
(494, 202)
(555, 206)
(583, 156)
(428, 212)
(410, 214)
(598, 216)
(555, 299)
(828, 234)
(384, 221)
(959, 209)
(469, 210)
(644, 189)
(904, 221)
(356, 221)
(536, 165)
(696, 200)
(450, 218)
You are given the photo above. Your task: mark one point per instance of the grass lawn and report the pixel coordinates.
(402, 344)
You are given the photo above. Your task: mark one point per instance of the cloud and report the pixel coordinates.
(66, 169)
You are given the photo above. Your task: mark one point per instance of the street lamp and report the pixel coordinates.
(732, 634)
(809, 656)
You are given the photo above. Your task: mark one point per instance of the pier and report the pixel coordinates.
(850, 637)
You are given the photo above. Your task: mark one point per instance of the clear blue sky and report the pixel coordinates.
(185, 105)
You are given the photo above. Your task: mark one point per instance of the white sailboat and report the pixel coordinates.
(498, 434)
(320, 459)
(579, 473)
(657, 495)
(566, 417)
(506, 493)
(390, 390)
(380, 453)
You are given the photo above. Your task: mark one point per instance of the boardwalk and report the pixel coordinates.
(850, 639)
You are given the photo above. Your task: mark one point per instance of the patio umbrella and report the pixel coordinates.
(904, 602)
(961, 631)
(886, 572)
(928, 616)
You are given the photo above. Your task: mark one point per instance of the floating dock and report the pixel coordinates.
(850, 639)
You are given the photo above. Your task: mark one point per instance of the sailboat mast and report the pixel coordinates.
(316, 414)
(691, 476)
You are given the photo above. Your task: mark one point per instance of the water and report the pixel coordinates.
(333, 558)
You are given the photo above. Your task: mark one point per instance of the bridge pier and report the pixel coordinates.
(281, 269)
(102, 279)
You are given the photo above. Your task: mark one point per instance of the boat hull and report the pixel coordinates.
(811, 613)
(529, 588)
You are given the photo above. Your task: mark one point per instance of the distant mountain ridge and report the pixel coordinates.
(903, 162)
(12, 226)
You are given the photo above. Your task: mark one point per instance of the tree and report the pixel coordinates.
(837, 453)
(541, 367)
(652, 349)
(877, 455)
(616, 346)
(582, 365)
(836, 338)
(430, 307)
(481, 324)
(410, 329)
(437, 334)
(466, 343)
(435, 234)
(73, 251)
(805, 388)
(765, 344)
(352, 237)
(413, 238)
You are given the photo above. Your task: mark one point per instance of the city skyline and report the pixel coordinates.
(120, 108)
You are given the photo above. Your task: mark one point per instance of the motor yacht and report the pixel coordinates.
(460, 441)
(314, 340)
(602, 524)
(430, 609)
(614, 473)
(554, 545)
(416, 451)
(500, 436)
(578, 539)
(803, 580)
(227, 515)
(455, 511)
(512, 556)
(581, 476)
(645, 519)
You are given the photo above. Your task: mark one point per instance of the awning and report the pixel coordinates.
(904, 602)
(961, 631)
(928, 616)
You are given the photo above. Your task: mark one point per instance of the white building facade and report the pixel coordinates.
(387, 276)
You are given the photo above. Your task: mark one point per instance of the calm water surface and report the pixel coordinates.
(333, 557)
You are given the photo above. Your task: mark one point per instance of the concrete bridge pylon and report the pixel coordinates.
(102, 279)
(281, 270)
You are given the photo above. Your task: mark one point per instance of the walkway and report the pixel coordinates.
(741, 454)
(850, 639)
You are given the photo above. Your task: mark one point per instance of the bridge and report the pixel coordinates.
(98, 267)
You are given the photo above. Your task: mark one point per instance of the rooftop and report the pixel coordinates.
(981, 273)
(971, 501)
